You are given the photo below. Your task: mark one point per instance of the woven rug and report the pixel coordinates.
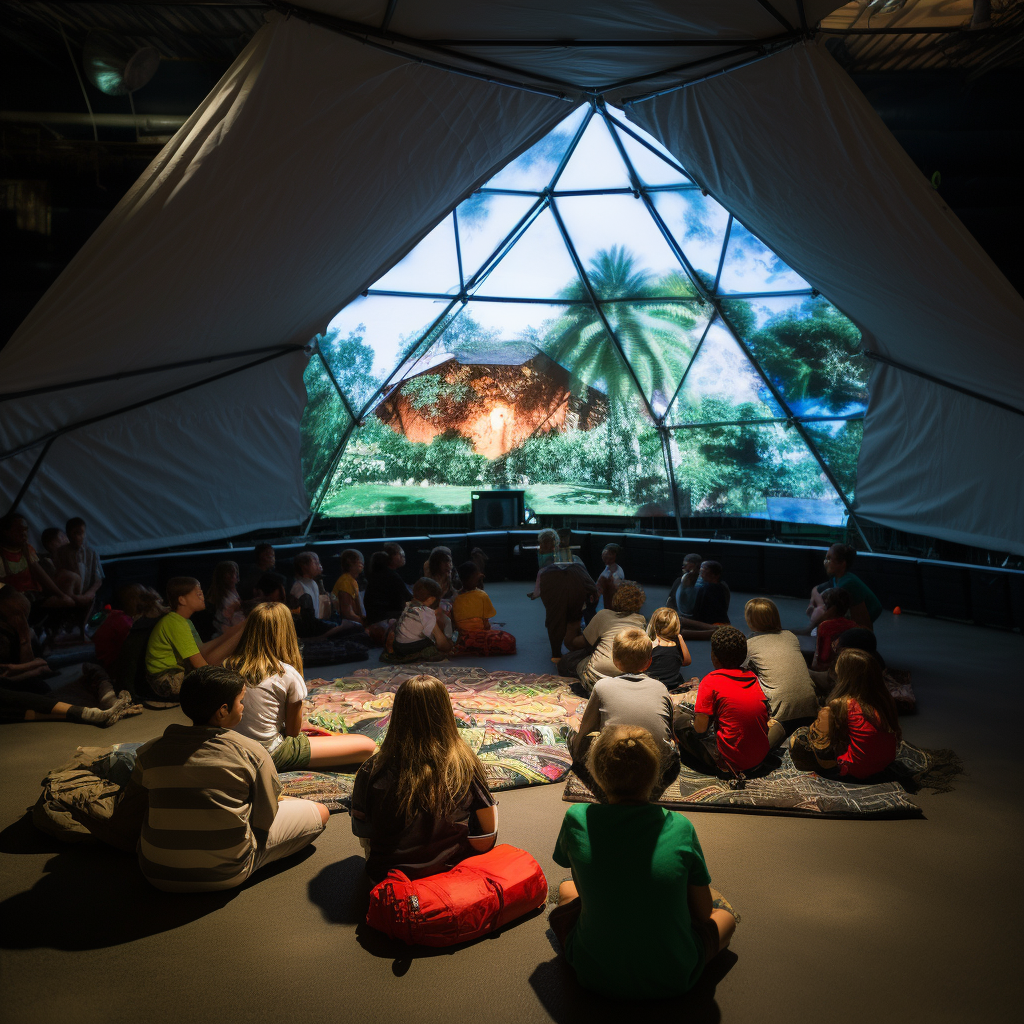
(787, 790)
(515, 722)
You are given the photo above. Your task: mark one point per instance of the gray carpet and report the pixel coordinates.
(906, 920)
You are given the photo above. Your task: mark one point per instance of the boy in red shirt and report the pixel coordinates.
(731, 700)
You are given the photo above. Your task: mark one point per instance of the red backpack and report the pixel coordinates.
(477, 896)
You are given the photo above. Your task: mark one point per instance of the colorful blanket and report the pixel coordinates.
(784, 789)
(514, 721)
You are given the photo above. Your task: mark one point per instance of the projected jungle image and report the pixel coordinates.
(610, 353)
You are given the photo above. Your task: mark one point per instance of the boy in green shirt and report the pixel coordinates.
(175, 646)
(638, 919)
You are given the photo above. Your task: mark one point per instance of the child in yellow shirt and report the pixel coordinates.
(346, 589)
(472, 611)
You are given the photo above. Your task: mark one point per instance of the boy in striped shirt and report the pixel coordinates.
(203, 800)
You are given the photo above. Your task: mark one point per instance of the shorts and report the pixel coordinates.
(292, 753)
(563, 919)
(168, 682)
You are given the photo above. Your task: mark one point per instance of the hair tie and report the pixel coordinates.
(631, 742)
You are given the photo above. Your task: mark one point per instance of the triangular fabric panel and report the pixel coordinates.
(534, 169)
(722, 384)
(650, 168)
(431, 267)
(210, 254)
(793, 148)
(537, 267)
(485, 220)
(595, 162)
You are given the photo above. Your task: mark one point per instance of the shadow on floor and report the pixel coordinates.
(567, 1002)
(93, 897)
(342, 892)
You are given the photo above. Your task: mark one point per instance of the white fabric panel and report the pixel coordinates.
(582, 67)
(312, 168)
(933, 456)
(182, 471)
(794, 150)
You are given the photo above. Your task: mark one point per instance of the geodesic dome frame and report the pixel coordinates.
(254, 226)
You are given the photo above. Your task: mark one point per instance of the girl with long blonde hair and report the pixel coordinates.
(268, 659)
(670, 655)
(422, 804)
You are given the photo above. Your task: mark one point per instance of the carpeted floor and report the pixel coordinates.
(855, 920)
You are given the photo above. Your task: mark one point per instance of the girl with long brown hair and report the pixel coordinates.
(857, 733)
(422, 804)
(268, 659)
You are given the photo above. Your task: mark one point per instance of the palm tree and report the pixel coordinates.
(656, 337)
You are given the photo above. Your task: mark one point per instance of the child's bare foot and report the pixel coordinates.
(719, 902)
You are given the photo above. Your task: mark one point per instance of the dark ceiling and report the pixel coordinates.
(951, 97)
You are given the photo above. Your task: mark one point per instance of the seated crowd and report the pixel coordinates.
(638, 917)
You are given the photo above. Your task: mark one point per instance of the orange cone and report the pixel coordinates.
(897, 610)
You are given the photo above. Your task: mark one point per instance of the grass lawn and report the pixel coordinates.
(383, 499)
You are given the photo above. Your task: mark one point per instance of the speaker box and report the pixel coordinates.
(498, 510)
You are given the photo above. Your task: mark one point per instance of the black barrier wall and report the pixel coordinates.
(984, 596)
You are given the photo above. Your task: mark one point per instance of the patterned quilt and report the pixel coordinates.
(516, 722)
(784, 789)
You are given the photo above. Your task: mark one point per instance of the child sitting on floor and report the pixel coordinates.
(174, 646)
(136, 602)
(834, 621)
(630, 698)
(422, 804)
(639, 918)
(306, 594)
(670, 655)
(202, 805)
(422, 631)
(710, 604)
(731, 700)
(774, 654)
(471, 614)
(223, 602)
(612, 575)
(268, 659)
(346, 587)
(440, 567)
(857, 733)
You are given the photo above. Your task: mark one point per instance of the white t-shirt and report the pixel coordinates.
(618, 575)
(307, 586)
(265, 706)
(415, 623)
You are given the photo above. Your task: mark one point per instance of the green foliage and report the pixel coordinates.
(623, 454)
(324, 421)
(810, 353)
(840, 450)
(376, 452)
(731, 470)
(466, 337)
(656, 337)
(432, 396)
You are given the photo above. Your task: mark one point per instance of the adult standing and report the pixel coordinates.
(565, 590)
